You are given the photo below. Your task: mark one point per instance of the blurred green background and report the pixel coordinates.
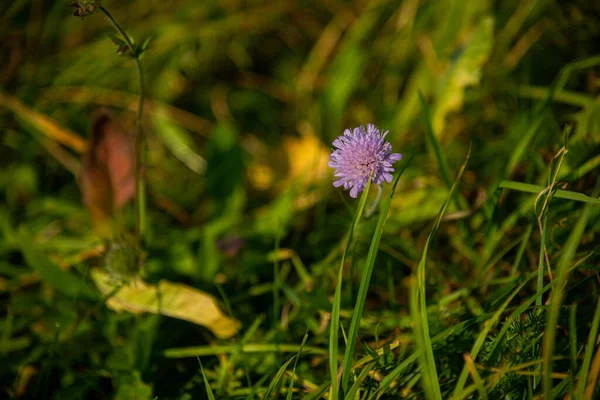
(243, 99)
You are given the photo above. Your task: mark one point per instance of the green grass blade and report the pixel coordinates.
(423, 344)
(517, 312)
(276, 281)
(392, 376)
(197, 351)
(521, 250)
(514, 315)
(435, 144)
(562, 269)
(480, 341)
(334, 328)
(561, 194)
(289, 394)
(400, 368)
(318, 393)
(6, 332)
(521, 148)
(469, 390)
(540, 269)
(209, 392)
(573, 346)
(565, 96)
(244, 339)
(589, 350)
(277, 378)
(365, 281)
(418, 307)
(353, 391)
(560, 389)
(542, 218)
(66, 282)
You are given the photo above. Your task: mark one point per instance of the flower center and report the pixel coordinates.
(366, 165)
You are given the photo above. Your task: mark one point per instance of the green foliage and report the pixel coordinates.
(247, 284)
(519, 345)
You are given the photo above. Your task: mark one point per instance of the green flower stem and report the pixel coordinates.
(139, 183)
(334, 327)
(375, 203)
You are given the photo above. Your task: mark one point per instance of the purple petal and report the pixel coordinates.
(357, 153)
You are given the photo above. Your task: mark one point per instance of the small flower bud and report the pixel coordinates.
(83, 8)
(123, 259)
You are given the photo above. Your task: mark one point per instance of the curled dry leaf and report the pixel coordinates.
(167, 298)
(108, 169)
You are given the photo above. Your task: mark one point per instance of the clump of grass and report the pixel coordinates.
(483, 283)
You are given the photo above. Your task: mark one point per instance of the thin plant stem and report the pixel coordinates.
(139, 183)
(337, 299)
(375, 203)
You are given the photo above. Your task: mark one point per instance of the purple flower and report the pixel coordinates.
(360, 152)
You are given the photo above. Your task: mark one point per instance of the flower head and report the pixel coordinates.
(359, 154)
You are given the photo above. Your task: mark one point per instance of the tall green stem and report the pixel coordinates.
(139, 183)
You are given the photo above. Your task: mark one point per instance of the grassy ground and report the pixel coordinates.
(477, 277)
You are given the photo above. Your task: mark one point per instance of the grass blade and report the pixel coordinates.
(318, 393)
(569, 251)
(560, 194)
(353, 391)
(47, 126)
(418, 307)
(476, 377)
(521, 148)
(521, 250)
(209, 392)
(480, 341)
(67, 282)
(587, 358)
(278, 376)
(435, 144)
(334, 328)
(197, 351)
(542, 220)
(573, 346)
(364, 283)
(517, 312)
(399, 369)
(593, 378)
(289, 395)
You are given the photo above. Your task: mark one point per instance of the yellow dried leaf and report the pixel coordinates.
(307, 157)
(304, 162)
(307, 161)
(44, 124)
(167, 298)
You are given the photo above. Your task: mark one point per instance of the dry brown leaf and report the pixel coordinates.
(108, 168)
